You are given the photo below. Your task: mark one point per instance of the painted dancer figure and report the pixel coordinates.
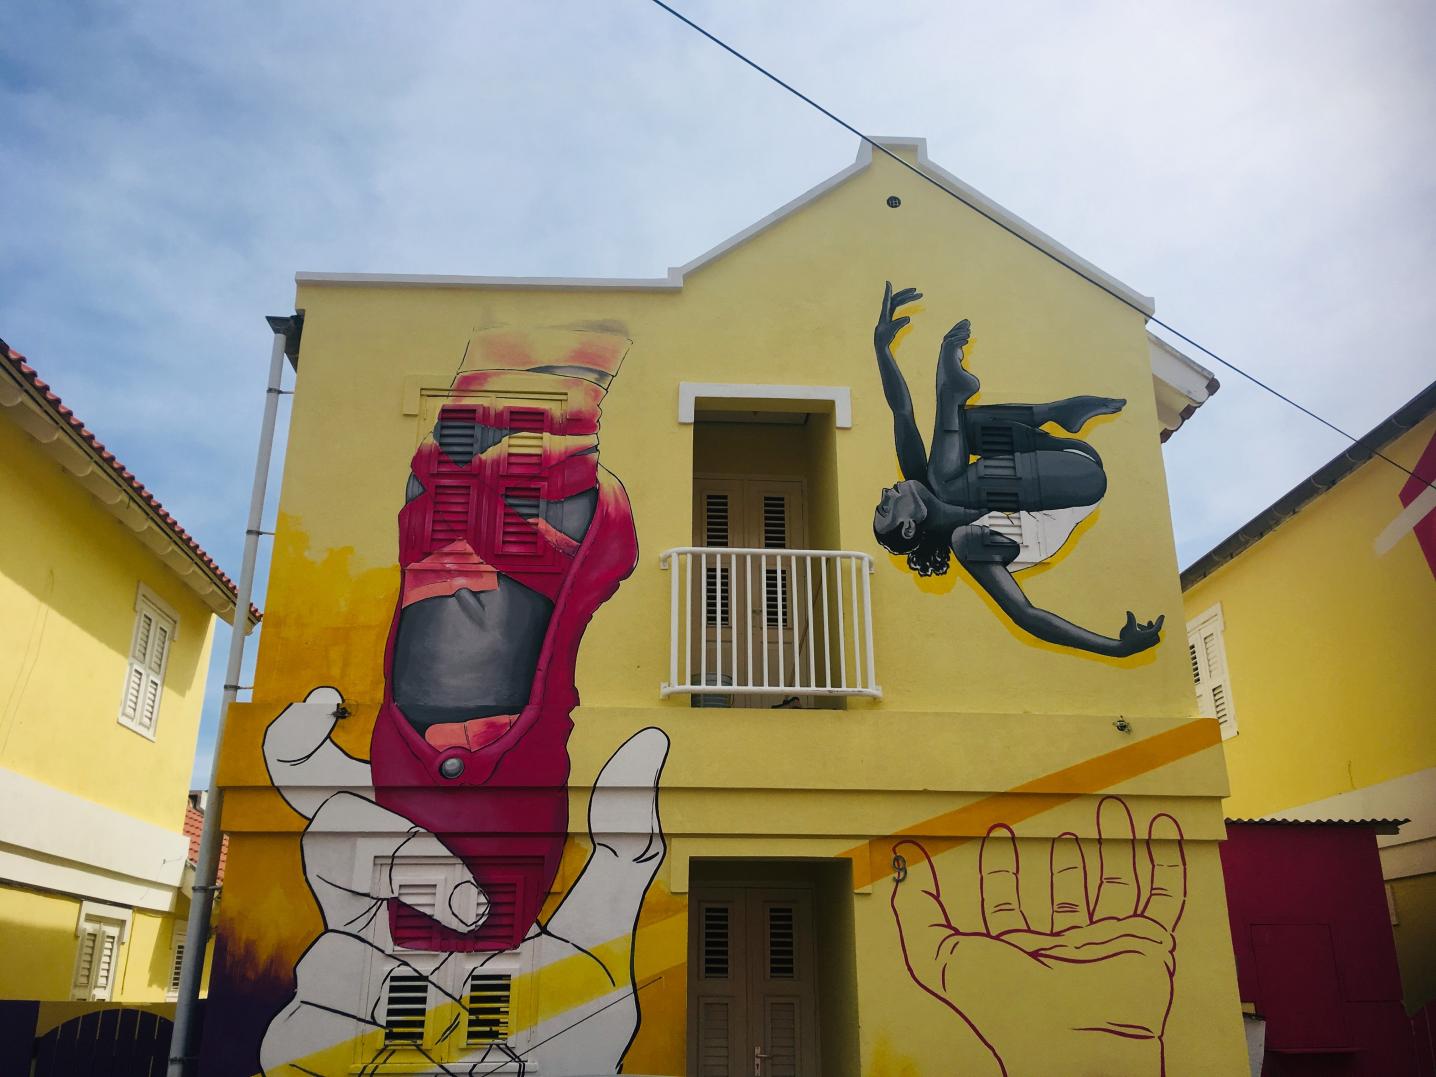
(996, 489)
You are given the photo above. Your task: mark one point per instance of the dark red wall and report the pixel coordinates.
(1314, 949)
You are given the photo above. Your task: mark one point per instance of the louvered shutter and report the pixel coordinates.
(145, 676)
(774, 516)
(405, 1008)
(487, 1002)
(1206, 654)
(717, 531)
(176, 962)
(96, 963)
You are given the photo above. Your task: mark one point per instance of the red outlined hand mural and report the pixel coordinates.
(1094, 990)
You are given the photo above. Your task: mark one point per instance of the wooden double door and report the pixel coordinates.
(752, 983)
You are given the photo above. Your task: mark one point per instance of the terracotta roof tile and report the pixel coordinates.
(193, 827)
(22, 367)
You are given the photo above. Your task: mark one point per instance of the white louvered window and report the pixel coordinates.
(1207, 655)
(487, 1002)
(406, 1005)
(717, 531)
(176, 960)
(145, 676)
(97, 958)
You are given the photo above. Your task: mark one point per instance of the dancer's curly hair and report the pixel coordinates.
(928, 554)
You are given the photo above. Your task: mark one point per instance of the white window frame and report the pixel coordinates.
(163, 615)
(99, 921)
(178, 933)
(1211, 622)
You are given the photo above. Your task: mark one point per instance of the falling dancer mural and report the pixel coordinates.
(430, 862)
(995, 488)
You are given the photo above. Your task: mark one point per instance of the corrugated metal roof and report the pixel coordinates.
(1380, 826)
(20, 366)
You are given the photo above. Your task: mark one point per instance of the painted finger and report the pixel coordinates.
(907, 295)
(1069, 884)
(925, 932)
(1168, 895)
(350, 850)
(1119, 946)
(887, 301)
(628, 845)
(998, 868)
(338, 981)
(1117, 858)
(304, 764)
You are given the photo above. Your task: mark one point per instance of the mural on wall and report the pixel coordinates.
(511, 537)
(994, 489)
(1095, 989)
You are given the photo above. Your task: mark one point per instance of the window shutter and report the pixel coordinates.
(717, 531)
(405, 1008)
(95, 966)
(782, 943)
(1206, 653)
(176, 962)
(145, 677)
(775, 537)
(488, 1006)
(716, 961)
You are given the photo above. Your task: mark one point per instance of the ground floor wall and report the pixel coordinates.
(1053, 907)
(1413, 907)
(41, 933)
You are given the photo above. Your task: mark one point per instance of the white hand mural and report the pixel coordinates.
(335, 1020)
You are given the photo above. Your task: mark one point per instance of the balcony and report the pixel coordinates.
(748, 626)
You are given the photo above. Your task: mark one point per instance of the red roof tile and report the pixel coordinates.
(21, 366)
(193, 827)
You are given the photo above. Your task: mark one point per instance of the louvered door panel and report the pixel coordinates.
(718, 964)
(752, 983)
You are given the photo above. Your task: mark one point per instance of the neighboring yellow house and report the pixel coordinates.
(1312, 631)
(724, 859)
(107, 611)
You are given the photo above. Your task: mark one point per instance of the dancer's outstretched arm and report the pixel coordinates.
(912, 454)
(986, 555)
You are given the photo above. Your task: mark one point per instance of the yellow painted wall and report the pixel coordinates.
(1329, 646)
(1415, 931)
(978, 723)
(40, 943)
(68, 577)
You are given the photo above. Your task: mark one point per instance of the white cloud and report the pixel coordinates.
(1266, 170)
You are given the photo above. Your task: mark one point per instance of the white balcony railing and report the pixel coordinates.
(762, 623)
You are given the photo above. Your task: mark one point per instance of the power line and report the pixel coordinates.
(1009, 229)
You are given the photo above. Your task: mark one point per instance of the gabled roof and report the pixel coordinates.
(1181, 384)
(1313, 486)
(36, 408)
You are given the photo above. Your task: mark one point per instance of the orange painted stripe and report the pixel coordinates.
(872, 859)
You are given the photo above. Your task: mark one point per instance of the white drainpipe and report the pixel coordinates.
(182, 1049)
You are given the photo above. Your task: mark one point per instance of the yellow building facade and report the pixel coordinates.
(821, 807)
(1313, 625)
(108, 618)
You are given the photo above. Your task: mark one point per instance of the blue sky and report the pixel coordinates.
(1265, 170)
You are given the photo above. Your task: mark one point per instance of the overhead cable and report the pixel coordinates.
(1034, 245)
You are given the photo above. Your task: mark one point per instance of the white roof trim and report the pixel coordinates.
(1181, 384)
(675, 277)
(690, 392)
